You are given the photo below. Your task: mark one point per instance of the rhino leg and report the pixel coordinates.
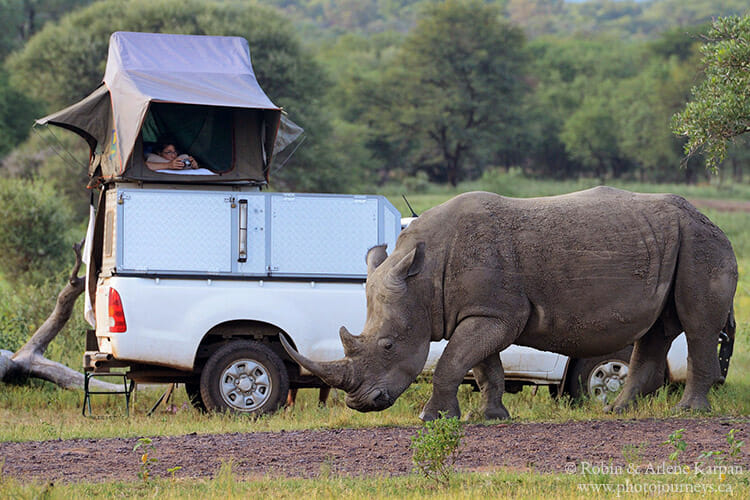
(491, 380)
(647, 367)
(703, 369)
(704, 290)
(474, 340)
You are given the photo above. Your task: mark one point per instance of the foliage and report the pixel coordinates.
(596, 114)
(676, 441)
(34, 234)
(436, 448)
(59, 159)
(447, 102)
(17, 113)
(720, 108)
(23, 308)
(722, 457)
(23, 18)
(735, 445)
(589, 18)
(26, 304)
(147, 460)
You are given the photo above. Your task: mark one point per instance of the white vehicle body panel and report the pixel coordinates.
(677, 359)
(167, 318)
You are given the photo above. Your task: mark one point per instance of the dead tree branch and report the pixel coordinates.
(29, 360)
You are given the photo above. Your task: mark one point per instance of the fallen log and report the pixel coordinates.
(29, 360)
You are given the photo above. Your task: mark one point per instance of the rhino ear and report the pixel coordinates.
(349, 341)
(410, 265)
(375, 256)
(418, 262)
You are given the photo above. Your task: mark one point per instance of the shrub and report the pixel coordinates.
(34, 232)
(23, 309)
(436, 448)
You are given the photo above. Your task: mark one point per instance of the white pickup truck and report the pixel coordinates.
(197, 284)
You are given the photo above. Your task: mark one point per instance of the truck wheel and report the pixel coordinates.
(244, 377)
(600, 377)
(193, 390)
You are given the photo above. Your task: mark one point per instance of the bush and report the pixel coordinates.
(35, 231)
(60, 159)
(23, 309)
(436, 448)
(500, 181)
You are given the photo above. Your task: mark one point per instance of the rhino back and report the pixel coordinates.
(595, 267)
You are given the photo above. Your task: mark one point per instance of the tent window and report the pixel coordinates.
(204, 132)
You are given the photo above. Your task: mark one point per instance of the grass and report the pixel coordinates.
(41, 411)
(514, 184)
(493, 484)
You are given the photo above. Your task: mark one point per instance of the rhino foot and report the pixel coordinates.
(499, 413)
(695, 403)
(429, 413)
(615, 408)
(429, 416)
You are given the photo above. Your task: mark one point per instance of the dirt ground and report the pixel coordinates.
(722, 205)
(540, 447)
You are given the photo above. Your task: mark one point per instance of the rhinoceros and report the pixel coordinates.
(581, 274)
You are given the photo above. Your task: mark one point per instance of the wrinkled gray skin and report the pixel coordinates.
(582, 274)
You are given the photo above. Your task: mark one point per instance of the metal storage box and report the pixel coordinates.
(225, 233)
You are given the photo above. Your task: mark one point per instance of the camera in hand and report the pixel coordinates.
(187, 163)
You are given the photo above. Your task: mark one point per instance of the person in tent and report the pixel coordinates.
(166, 157)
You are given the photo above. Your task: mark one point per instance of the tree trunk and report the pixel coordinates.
(29, 360)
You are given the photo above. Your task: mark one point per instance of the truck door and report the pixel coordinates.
(174, 232)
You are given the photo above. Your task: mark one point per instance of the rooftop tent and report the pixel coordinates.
(201, 90)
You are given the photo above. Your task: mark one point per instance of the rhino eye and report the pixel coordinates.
(386, 344)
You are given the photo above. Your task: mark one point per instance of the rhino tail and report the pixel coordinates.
(731, 325)
(726, 343)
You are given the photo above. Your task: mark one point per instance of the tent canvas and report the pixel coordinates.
(202, 90)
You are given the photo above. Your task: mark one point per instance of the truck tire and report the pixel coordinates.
(244, 377)
(600, 377)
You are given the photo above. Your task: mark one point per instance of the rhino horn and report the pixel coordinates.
(351, 342)
(338, 374)
(410, 265)
(375, 256)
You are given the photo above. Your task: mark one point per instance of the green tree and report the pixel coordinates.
(451, 100)
(34, 232)
(356, 64)
(641, 108)
(22, 18)
(720, 108)
(536, 16)
(17, 113)
(570, 111)
(590, 136)
(58, 158)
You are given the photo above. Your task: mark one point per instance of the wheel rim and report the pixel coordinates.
(607, 379)
(245, 385)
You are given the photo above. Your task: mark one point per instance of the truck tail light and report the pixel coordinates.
(116, 313)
